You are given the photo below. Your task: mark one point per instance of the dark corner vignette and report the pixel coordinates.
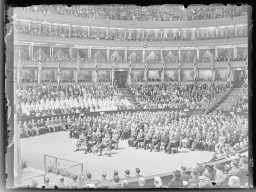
(8, 128)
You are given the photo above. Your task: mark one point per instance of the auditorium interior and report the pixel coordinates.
(100, 90)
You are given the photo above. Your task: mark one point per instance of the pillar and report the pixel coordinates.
(30, 51)
(112, 74)
(213, 73)
(235, 52)
(163, 66)
(197, 54)
(162, 73)
(89, 52)
(77, 69)
(130, 74)
(179, 55)
(179, 73)
(216, 52)
(107, 33)
(108, 54)
(51, 52)
(88, 31)
(69, 31)
(145, 74)
(125, 55)
(235, 28)
(39, 73)
(143, 55)
(95, 76)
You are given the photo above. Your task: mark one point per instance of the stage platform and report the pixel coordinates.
(60, 145)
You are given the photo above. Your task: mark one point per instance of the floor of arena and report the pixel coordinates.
(60, 145)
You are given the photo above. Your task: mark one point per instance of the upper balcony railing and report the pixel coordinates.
(150, 13)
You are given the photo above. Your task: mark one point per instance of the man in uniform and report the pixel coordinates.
(156, 141)
(139, 139)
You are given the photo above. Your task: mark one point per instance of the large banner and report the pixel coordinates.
(85, 76)
(187, 75)
(221, 75)
(154, 75)
(171, 75)
(67, 75)
(48, 75)
(170, 56)
(104, 76)
(138, 75)
(28, 75)
(205, 75)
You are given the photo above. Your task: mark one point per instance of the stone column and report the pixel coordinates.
(179, 55)
(130, 73)
(146, 74)
(216, 52)
(235, 52)
(77, 69)
(108, 52)
(143, 55)
(213, 73)
(125, 55)
(197, 54)
(179, 73)
(69, 31)
(163, 66)
(90, 53)
(112, 74)
(88, 31)
(39, 72)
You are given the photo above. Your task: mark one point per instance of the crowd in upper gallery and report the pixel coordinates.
(126, 34)
(116, 56)
(150, 13)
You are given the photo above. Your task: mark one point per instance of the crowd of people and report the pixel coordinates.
(150, 13)
(67, 99)
(232, 173)
(105, 33)
(165, 131)
(236, 102)
(193, 96)
(71, 98)
(225, 134)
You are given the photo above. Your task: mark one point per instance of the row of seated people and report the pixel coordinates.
(29, 94)
(232, 173)
(66, 99)
(215, 132)
(66, 32)
(150, 13)
(161, 131)
(76, 98)
(197, 95)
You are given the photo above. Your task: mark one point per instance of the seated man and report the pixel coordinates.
(132, 139)
(148, 139)
(164, 140)
(156, 141)
(115, 138)
(106, 143)
(139, 139)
